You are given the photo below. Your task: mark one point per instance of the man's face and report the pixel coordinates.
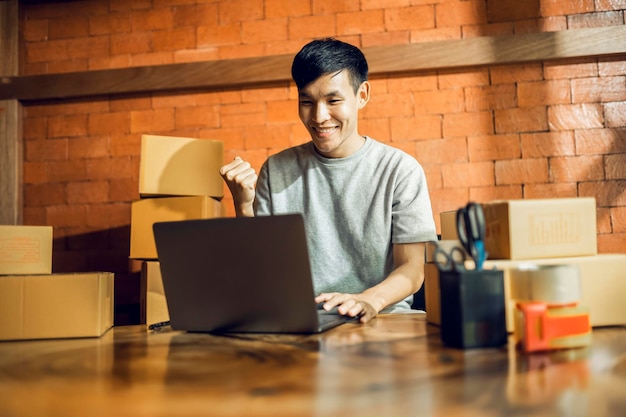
(329, 109)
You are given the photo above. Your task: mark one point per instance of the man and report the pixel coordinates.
(366, 206)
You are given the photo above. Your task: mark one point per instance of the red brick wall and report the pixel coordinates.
(513, 131)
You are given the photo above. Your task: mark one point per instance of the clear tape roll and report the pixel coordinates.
(551, 284)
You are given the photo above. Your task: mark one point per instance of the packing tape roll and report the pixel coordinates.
(551, 284)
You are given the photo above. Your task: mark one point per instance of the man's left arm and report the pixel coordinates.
(406, 278)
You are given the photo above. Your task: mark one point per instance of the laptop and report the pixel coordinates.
(240, 275)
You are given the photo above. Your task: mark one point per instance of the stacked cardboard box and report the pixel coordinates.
(544, 232)
(37, 304)
(178, 180)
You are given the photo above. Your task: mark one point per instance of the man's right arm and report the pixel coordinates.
(241, 180)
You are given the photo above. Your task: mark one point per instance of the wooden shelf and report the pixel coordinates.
(275, 70)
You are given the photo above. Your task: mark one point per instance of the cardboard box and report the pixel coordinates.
(25, 250)
(173, 166)
(535, 228)
(153, 295)
(56, 305)
(602, 279)
(145, 212)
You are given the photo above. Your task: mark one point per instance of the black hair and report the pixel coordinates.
(328, 56)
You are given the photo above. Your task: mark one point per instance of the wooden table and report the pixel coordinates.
(393, 366)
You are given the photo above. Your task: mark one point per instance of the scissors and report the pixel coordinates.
(454, 260)
(470, 226)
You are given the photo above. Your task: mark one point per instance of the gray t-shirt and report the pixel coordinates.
(354, 209)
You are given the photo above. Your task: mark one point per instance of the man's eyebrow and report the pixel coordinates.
(333, 93)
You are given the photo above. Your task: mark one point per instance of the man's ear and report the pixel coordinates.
(363, 95)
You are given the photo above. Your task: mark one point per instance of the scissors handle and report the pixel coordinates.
(470, 224)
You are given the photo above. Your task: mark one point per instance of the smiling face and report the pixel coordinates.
(329, 109)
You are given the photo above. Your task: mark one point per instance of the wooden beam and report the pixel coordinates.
(236, 73)
(10, 121)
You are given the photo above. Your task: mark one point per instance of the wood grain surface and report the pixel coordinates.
(393, 366)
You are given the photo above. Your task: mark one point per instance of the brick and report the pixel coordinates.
(118, 5)
(67, 126)
(144, 121)
(355, 23)
(593, 20)
(469, 174)
(600, 141)
(544, 144)
(575, 116)
(65, 171)
(126, 103)
(568, 70)
(261, 94)
(240, 10)
(538, 93)
(88, 147)
(459, 13)
(87, 192)
(310, 27)
(565, 7)
(442, 151)
(261, 31)
(618, 219)
(433, 175)
(603, 220)
(286, 8)
(219, 97)
(282, 111)
(416, 127)
(131, 43)
(44, 194)
(521, 171)
(439, 101)
(551, 190)
(499, 192)
(611, 66)
(36, 216)
(508, 74)
(445, 199)
(105, 168)
(493, 29)
(615, 114)
(35, 30)
(119, 61)
(125, 189)
(66, 215)
(501, 96)
(174, 39)
(598, 90)
(507, 10)
(48, 150)
(385, 38)
(151, 20)
(125, 145)
(153, 58)
(615, 166)
(55, 50)
(109, 24)
(241, 51)
(89, 47)
(70, 65)
(527, 119)
(607, 193)
(334, 6)
(167, 100)
(233, 137)
(218, 35)
(468, 124)
(34, 172)
(470, 78)
(35, 128)
(200, 116)
(195, 55)
(408, 18)
(421, 82)
(194, 15)
(108, 123)
(377, 128)
(436, 34)
(609, 4)
(108, 214)
(244, 120)
(612, 243)
(68, 27)
(389, 105)
(493, 147)
(264, 136)
(576, 168)
(376, 4)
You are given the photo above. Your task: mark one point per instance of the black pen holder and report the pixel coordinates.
(472, 308)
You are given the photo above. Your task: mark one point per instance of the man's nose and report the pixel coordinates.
(321, 113)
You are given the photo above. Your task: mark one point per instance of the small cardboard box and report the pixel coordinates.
(147, 211)
(25, 250)
(153, 295)
(535, 228)
(602, 281)
(173, 166)
(56, 305)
